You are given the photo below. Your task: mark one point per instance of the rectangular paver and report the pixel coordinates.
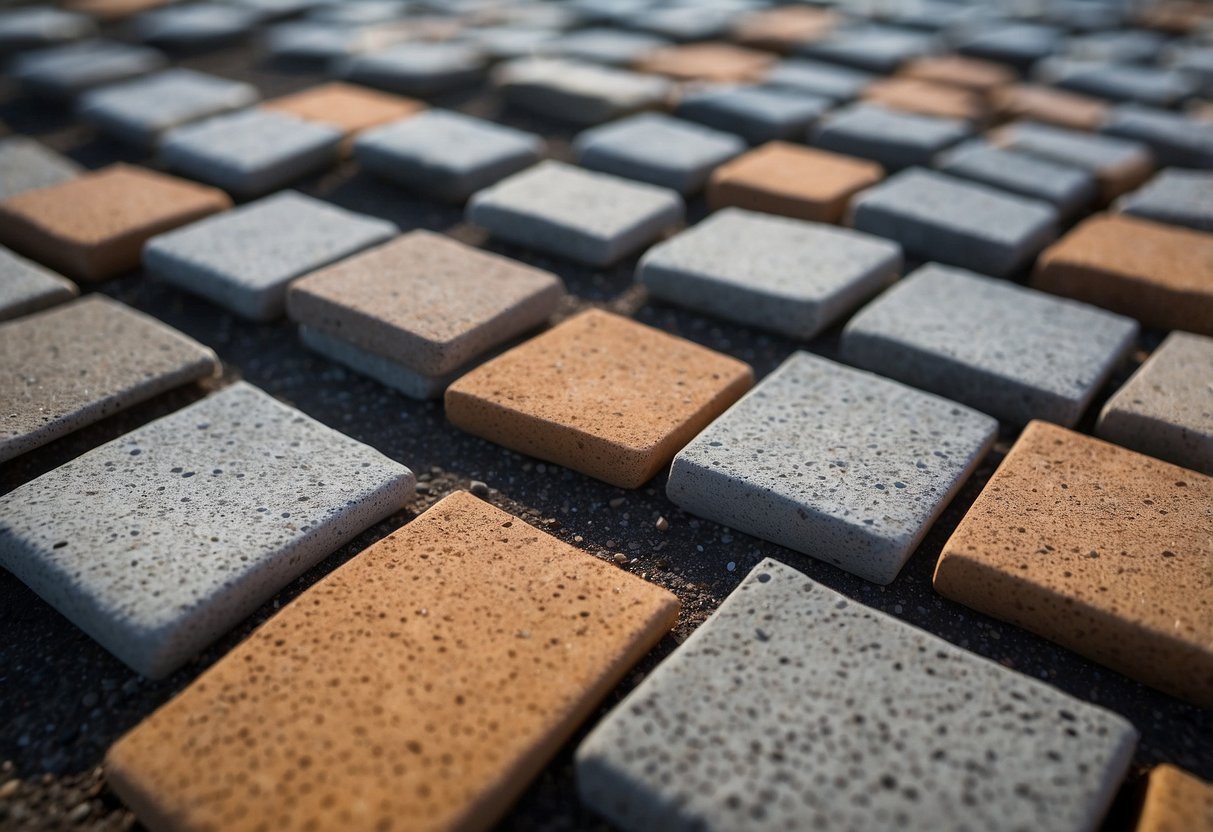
(796, 707)
(27, 287)
(756, 113)
(1098, 548)
(1017, 44)
(838, 83)
(417, 67)
(437, 673)
(1069, 189)
(1174, 196)
(712, 62)
(973, 74)
(1175, 139)
(580, 92)
(928, 98)
(1156, 86)
(893, 138)
(26, 165)
(784, 28)
(604, 45)
(194, 26)
(44, 25)
(1047, 105)
(871, 48)
(66, 71)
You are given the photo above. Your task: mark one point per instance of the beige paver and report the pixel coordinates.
(1103, 550)
(420, 686)
(1031, 102)
(600, 394)
(348, 107)
(94, 227)
(1176, 801)
(926, 97)
(1159, 274)
(784, 29)
(973, 74)
(719, 62)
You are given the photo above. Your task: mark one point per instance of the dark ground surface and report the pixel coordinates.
(64, 700)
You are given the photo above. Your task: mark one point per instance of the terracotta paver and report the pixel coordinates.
(927, 97)
(719, 62)
(973, 74)
(1159, 274)
(420, 686)
(1051, 106)
(348, 107)
(792, 180)
(93, 227)
(784, 29)
(1103, 550)
(600, 394)
(1176, 801)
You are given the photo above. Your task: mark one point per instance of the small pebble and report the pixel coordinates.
(79, 813)
(9, 789)
(621, 558)
(615, 502)
(662, 524)
(423, 488)
(731, 566)
(479, 488)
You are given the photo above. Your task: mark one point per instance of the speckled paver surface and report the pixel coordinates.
(1175, 196)
(207, 513)
(1068, 189)
(756, 113)
(467, 646)
(27, 287)
(893, 138)
(796, 707)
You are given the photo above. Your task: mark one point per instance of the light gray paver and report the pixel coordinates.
(194, 25)
(417, 67)
(1119, 82)
(157, 543)
(142, 110)
(581, 93)
(74, 364)
(244, 259)
(589, 217)
(27, 164)
(939, 217)
(252, 152)
(658, 149)
(1009, 351)
(1175, 139)
(893, 138)
(786, 275)
(757, 114)
(27, 287)
(387, 372)
(34, 26)
(1068, 189)
(1179, 197)
(834, 462)
(605, 45)
(838, 83)
(1166, 408)
(795, 707)
(871, 48)
(66, 71)
(446, 154)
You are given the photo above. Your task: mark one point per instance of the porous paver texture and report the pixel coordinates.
(1177, 197)
(1098, 548)
(581, 93)
(893, 138)
(1014, 353)
(348, 107)
(27, 287)
(65, 71)
(1159, 274)
(54, 383)
(1166, 408)
(93, 227)
(417, 68)
(783, 29)
(838, 83)
(1067, 188)
(795, 181)
(26, 165)
(1175, 139)
(757, 114)
(1032, 102)
(601, 394)
(244, 259)
(589, 217)
(967, 224)
(984, 77)
(776, 273)
(837, 463)
(424, 301)
(914, 95)
(823, 713)
(1176, 801)
(711, 62)
(207, 512)
(437, 673)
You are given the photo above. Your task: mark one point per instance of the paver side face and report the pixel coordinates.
(600, 394)
(348, 107)
(1159, 274)
(794, 707)
(973, 74)
(421, 685)
(1051, 106)
(719, 62)
(1176, 801)
(93, 227)
(1100, 549)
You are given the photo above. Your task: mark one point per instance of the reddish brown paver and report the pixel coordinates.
(720, 62)
(792, 180)
(1050, 106)
(973, 74)
(600, 394)
(348, 107)
(1162, 275)
(1176, 801)
(93, 227)
(1103, 550)
(421, 686)
(926, 97)
(784, 29)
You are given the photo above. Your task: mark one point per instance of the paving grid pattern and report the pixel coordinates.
(64, 699)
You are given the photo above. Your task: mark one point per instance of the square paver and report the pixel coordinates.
(600, 394)
(792, 180)
(604, 45)
(967, 224)
(66, 71)
(417, 67)
(973, 74)
(1166, 408)
(1177, 197)
(872, 48)
(757, 114)
(795, 707)
(55, 383)
(838, 83)
(842, 465)
(711, 62)
(1162, 275)
(26, 165)
(27, 287)
(580, 93)
(34, 26)
(1047, 105)
(444, 667)
(1069, 189)
(1180, 140)
(447, 154)
(142, 110)
(244, 259)
(252, 152)
(786, 275)
(658, 149)
(94, 226)
(207, 513)
(1014, 353)
(1018, 44)
(426, 302)
(1176, 800)
(347, 107)
(589, 217)
(894, 138)
(1098, 548)
(785, 28)
(928, 98)
(194, 25)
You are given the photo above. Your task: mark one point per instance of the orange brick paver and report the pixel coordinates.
(720, 62)
(784, 29)
(1050, 106)
(973, 74)
(1176, 801)
(926, 97)
(348, 107)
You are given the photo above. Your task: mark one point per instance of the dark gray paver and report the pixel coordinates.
(1018, 44)
(756, 113)
(1129, 46)
(1068, 189)
(871, 48)
(1175, 139)
(838, 83)
(26, 164)
(1117, 164)
(893, 138)
(312, 42)
(682, 23)
(1179, 197)
(1151, 85)
(417, 67)
(66, 71)
(27, 287)
(194, 25)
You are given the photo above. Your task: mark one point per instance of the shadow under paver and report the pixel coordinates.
(417, 67)
(66, 71)
(1177, 197)
(757, 114)
(796, 707)
(893, 138)
(27, 164)
(781, 274)
(94, 226)
(160, 541)
(1166, 408)
(1012, 352)
(592, 218)
(348, 107)
(434, 676)
(1068, 189)
(72, 365)
(1101, 549)
(27, 287)
(577, 92)
(244, 259)
(834, 462)
(1176, 801)
(600, 394)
